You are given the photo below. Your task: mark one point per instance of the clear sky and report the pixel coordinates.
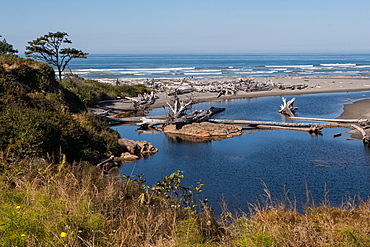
(193, 26)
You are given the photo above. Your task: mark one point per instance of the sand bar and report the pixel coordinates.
(315, 85)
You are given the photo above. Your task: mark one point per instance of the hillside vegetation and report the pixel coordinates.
(90, 92)
(51, 195)
(39, 116)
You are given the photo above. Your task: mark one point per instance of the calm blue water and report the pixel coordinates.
(218, 66)
(233, 168)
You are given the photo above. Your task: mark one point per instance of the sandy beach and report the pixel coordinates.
(360, 109)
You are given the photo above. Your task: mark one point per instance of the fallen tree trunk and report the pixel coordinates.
(301, 125)
(338, 120)
(135, 120)
(151, 122)
(314, 130)
(198, 116)
(365, 137)
(109, 160)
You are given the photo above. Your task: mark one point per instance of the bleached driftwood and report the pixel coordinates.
(337, 120)
(313, 130)
(151, 122)
(365, 137)
(109, 160)
(271, 123)
(288, 108)
(143, 101)
(179, 106)
(198, 116)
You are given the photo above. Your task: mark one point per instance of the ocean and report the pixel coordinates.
(128, 67)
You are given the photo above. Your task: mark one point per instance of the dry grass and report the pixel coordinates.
(59, 204)
(43, 204)
(276, 223)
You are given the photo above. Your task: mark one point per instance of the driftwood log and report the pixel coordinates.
(198, 116)
(338, 120)
(365, 137)
(252, 123)
(287, 108)
(178, 107)
(143, 102)
(109, 160)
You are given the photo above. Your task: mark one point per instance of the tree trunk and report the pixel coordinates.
(301, 125)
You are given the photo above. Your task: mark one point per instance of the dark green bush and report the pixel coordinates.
(32, 75)
(28, 132)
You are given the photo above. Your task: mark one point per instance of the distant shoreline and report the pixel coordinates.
(315, 84)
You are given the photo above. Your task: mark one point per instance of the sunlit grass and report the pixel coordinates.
(61, 204)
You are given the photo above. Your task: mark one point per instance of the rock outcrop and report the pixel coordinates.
(204, 131)
(133, 150)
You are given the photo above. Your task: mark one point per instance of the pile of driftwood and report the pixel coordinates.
(220, 87)
(143, 102)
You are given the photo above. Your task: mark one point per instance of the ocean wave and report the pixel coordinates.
(363, 66)
(200, 73)
(281, 69)
(241, 69)
(165, 69)
(338, 64)
(95, 70)
(132, 69)
(206, 70)
(258, 72)
(289, 66)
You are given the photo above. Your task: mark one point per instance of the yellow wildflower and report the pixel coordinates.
(23, 235)
(17, 207)
(63, 234)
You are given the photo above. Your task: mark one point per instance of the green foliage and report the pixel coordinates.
(91, 92)
(6, 48)
(33, 132)
(172, 186)
(48, 49)
(187, 233)
(25, 75)
(36, 119)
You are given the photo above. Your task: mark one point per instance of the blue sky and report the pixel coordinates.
(193, 26)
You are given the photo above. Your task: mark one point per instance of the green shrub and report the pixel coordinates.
(30, 74)
(31, 132)
(91, 92)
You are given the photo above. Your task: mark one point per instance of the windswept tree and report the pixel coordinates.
(6, 48)
(48, 48)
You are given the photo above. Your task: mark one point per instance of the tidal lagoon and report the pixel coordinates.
(306, 167)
